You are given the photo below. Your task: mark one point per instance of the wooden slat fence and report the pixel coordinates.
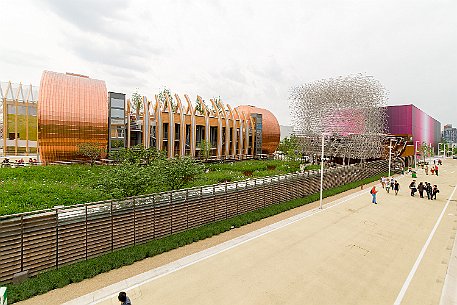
(51, 238)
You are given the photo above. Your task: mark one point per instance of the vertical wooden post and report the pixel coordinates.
(85, 239)
(22, 242)
(112, 226)
(57, 238)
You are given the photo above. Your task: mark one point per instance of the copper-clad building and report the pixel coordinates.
(270, 127)
(72, 109)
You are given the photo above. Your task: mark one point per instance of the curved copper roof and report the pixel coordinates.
(270, 127)
(72, 109)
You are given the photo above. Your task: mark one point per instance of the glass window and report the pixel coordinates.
(117, 122)
(117, 103)
(32, 111)
(21, 110)
(117, 113)
(11, 109)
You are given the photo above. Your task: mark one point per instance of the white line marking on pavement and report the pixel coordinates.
(407, 282)
(149, 276)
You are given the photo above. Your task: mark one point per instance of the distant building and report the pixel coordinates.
(410, 121)
(286, 131)
(71, 109)
(18, 119)
(450, 133)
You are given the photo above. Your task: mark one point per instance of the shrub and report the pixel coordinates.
(176, 172)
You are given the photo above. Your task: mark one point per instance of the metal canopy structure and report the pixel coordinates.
(347, 110)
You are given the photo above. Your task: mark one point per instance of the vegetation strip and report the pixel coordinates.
(77, 272)
(40, 187)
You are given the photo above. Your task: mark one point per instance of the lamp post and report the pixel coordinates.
(390, 155)
(322, 171)
(442, 150)
(415, 154)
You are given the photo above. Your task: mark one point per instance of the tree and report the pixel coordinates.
(199, 107)
(163, 98)
(92, 151)
(218, 109)
(425, 151)
(205, 149)
(137, 103)
(290, 147)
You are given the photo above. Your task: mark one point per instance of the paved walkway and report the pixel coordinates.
(352, 252)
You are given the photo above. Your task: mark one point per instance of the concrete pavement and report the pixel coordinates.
(353, 252)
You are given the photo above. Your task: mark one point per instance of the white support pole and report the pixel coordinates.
(322, 171)
(415, 154)
(390, 155)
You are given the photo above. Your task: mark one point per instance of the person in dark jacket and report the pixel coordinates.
(421, 188)
(396, 187)
(123, 298)
(412, 187)
(435, 191)
(428, 189)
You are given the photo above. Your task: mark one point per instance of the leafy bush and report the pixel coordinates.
(138, 155)
(176, 172)
(77, 272)
(126, 180)
(91, 151)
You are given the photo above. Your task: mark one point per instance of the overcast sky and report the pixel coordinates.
(246, 52)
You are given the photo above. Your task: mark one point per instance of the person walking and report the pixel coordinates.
(123, 298)
(426, 170)
(436, 170)
(373, 193)
(383, 182)
(396, 187)
(428, 189)
(435, 191)
(421, 188)
(392, 182)
(412, 187)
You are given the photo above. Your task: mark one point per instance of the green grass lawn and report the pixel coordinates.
(40, 187)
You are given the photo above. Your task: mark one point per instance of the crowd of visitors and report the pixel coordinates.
(422, 187)
(425, 189)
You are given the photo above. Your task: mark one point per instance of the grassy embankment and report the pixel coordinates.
(40, 187)
(77, 272)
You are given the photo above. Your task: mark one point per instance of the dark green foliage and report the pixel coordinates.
(77, 272)
(205, 149)
(176, 172)
(126, 180)
(91, 151)
(290, 147)
(142, 171)
(138, 155)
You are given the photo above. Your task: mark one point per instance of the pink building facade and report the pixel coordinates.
(410, 120)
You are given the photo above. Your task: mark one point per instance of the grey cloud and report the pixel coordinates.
(88, 15)
(110, 53)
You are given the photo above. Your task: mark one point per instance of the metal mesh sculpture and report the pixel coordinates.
(349, 110)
